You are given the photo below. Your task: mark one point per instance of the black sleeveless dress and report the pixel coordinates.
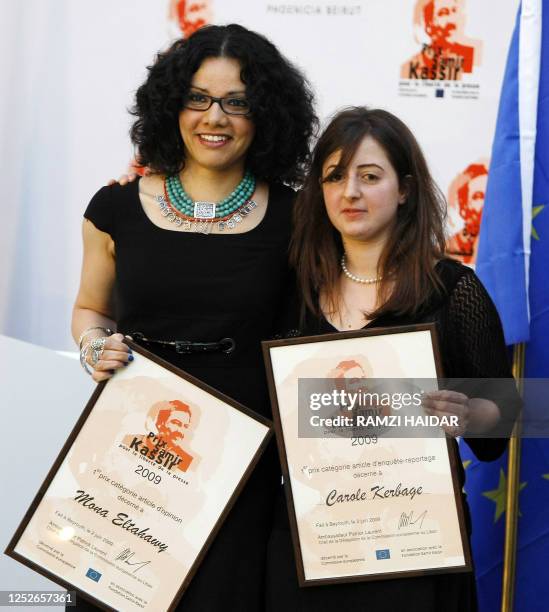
(176, 285)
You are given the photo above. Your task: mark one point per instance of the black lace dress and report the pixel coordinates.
(472, 346)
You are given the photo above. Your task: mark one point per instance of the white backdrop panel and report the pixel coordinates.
(41, 396)
(71, 68)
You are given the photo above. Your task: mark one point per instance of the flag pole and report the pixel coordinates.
(511, 501)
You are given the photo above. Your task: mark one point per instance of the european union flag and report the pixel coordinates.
(512, 262)
(382, 554)
(93, 575)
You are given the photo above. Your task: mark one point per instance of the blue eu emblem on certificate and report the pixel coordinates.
(93, 574)
(384, 553)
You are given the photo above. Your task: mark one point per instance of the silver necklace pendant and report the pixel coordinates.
(163, 205)
(167, 211)
(175, 219)
(204, 217)
(203, 227)
(204, 210)
(238, 217)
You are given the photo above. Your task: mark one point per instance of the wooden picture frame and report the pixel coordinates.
(286, 361)
(199, 445)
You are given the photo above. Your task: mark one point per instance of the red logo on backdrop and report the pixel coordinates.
(190, 15)
(446, 53)
(465, 203)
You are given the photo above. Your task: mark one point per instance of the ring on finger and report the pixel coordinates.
(97, 347)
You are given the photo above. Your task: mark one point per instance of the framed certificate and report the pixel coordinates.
(364, 506)
(141, 487)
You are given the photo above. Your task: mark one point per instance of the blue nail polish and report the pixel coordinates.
(130, 358)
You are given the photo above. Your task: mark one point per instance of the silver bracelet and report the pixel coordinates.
(83, 356)
(107, 331)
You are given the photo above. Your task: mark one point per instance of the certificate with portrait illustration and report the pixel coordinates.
(141, 487)
(370, 479)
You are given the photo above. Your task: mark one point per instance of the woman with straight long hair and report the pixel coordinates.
(368, 250)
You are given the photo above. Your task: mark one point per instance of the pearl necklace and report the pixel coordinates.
(358, 279)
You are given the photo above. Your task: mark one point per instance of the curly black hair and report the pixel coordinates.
(280, 97)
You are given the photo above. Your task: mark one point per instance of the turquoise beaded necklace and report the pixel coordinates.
(182, 202)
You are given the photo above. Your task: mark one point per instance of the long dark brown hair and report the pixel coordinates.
(416, 242)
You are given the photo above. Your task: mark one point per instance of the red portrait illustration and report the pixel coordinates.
(350, 376)
(446, 53)
(465, 203)
(165, 443)
(190, 15)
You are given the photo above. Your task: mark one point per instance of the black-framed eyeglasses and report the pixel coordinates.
(231, 105)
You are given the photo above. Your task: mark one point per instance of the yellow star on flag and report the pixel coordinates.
(499, 495)
(546, 476)
(465, 464)
(535, 212)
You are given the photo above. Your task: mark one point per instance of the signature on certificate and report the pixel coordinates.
(127, 555)
(409, 519)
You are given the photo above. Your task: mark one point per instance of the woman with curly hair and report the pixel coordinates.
(368, 247)
(196, 252)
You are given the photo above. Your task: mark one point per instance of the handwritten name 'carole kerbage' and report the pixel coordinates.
(121, 520)
(376, 492)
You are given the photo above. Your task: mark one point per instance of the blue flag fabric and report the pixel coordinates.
(501, 250)
(516, 273)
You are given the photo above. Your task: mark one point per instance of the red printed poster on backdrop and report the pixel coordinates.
(465, 202)
(446, 53)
